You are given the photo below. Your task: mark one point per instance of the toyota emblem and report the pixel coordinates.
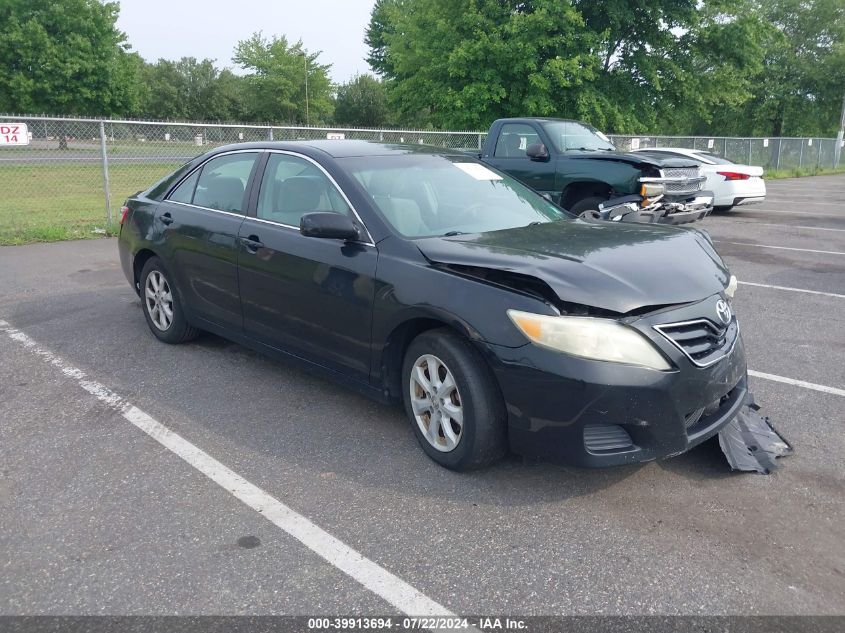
(723, 311)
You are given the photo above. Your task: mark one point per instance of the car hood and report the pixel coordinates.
(634, 159)
(610, 266)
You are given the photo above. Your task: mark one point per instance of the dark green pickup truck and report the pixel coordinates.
(580, 169)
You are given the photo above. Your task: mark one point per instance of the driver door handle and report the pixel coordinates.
(252, 243)
(166, 218)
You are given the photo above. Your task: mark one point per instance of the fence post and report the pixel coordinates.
(819, 160)
(270, 133)
(801, 154)
(777, 159)
(105, 158)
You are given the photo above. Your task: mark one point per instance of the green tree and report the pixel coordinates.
(463, 63)
(286, 83)
(65, 57)
(191, 90)
(713, 71)
(800, 85)
(362, 102)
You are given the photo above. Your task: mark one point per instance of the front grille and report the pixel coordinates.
(683, 180)
(703, 341)
(681, 172)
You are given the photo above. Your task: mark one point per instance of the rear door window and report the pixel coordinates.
(222, 182)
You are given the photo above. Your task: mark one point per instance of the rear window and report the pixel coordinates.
(714, 159)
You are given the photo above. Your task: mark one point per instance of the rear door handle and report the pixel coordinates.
(252, 243)
(166, 218)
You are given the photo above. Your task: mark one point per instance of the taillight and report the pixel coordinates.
(124, 211)
(732, 175)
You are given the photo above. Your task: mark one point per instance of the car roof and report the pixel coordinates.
(345, 148)
(541, 119)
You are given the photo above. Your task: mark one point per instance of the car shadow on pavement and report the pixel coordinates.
(346, 436)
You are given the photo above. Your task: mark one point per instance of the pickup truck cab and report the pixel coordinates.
(578, 168)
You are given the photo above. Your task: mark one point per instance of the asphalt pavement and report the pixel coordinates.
(99, 517)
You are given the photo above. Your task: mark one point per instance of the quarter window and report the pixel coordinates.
(222, 182)
(185, 191)
(514, 139)
(292, 187)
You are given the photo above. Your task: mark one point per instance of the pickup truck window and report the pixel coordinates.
(514, 139)
(571, 135)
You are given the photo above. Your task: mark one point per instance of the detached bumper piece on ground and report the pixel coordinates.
(630, 209)
(750, 442)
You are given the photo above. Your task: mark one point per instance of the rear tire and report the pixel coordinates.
(162, 304)
(453, 402)
(588, 208)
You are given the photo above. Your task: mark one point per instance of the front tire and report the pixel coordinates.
(588, 208)
(453, 402)
(162, 305)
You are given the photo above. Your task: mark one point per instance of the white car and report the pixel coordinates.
(732, 184)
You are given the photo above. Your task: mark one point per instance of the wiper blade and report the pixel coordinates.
(453, 233)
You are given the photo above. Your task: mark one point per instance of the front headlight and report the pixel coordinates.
(730, 289)
(587, 337)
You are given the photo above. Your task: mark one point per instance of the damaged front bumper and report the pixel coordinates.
(659, 211)
(595, 414)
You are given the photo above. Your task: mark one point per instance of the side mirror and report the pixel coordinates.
(328, 225)
(537, 151)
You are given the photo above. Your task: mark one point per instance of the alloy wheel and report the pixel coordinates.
(436, 403)
(159, 300)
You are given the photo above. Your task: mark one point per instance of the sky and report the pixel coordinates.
(211, 28)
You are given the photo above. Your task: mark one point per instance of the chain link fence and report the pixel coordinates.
(770, 153)
(72, 175)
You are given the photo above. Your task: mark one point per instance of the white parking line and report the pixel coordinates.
(371, 575)
(796, 226)
(762, 209)
(809, 292)
(783, 248)
(807, 200)
(797, 383)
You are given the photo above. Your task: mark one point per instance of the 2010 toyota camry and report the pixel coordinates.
(417, 275)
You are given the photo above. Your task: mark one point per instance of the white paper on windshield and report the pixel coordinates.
(602, 136)
(479, 172)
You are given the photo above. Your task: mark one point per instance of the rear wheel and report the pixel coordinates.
(453, 402)
(162, 305)
(588, 208)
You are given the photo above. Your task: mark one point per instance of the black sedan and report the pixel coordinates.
(417, 275)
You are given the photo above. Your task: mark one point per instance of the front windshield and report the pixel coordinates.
(571, 135)
(425, 195)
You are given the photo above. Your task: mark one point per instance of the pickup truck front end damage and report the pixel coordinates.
(639, 208)
(578, 168)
